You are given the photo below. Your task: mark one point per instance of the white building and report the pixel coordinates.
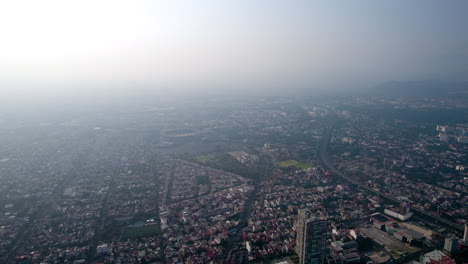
(402, 217)
(451, 244)
(102, 249)
(435, 257)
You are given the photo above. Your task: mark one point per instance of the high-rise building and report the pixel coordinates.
(312, 232)
(465, 235)
(451, 244)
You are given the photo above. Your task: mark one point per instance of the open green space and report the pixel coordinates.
(303, 166)
(287, 163)
(201, 158)
(203, 179)
(136, 232)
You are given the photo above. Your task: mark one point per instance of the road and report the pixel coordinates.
(236, 237)
(323, 155)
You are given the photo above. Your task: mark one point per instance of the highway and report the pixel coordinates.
(326, 162)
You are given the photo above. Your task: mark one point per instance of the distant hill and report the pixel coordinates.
(426, 88)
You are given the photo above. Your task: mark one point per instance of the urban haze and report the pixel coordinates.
(233, 132)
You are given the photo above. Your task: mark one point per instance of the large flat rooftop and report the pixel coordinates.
(395, 246)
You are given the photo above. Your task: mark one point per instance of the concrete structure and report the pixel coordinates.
(442, 128)
(312, 232)
(408, 235)
(344, 252)
(248, 246)
(465, 235)
(451, 244)
(102, 249)
(398, 215)
(282, 261)
(436, 257)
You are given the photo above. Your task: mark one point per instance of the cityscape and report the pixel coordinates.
(239, 181)
(233, 132)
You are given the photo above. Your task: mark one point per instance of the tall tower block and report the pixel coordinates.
(312, 232)
(465, 235)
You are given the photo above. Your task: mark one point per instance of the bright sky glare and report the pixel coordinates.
(65, 43)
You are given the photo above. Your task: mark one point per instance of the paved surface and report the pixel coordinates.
(387, 240)
(379, 256)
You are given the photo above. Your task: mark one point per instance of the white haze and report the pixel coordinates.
(55, 48)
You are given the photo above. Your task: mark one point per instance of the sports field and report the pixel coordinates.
(142, 231)
(201, 158)
(288, 163)
(303, 166)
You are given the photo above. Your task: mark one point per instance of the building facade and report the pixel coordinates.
(312, 232)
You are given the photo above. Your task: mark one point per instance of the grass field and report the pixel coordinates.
(303, 166)
(287, 163)
(136, 232)
(201, 158)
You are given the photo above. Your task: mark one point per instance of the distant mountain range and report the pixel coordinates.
(425, 88)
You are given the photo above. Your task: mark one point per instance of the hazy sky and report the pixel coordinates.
(61, 46)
